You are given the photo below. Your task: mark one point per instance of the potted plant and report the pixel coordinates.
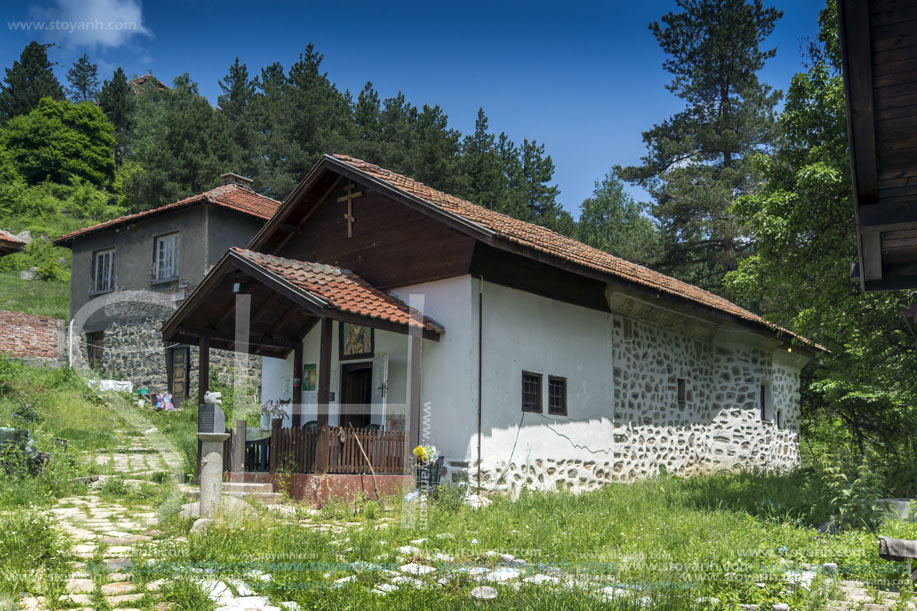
(428, 467)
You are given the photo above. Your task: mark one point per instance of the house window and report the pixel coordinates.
(779, 418)
(762, 403)
(628, 329)
(682, 392)
(95, 342)
(531, 392)
(557, 396)
(165, 257)
(103, 271)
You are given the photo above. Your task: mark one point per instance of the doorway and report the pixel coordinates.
(356, 394)
(178, 375)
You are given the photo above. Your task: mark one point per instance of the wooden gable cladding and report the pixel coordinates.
(391, 244)
(879, 43)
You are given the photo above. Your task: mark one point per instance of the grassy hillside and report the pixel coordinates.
(46, 297)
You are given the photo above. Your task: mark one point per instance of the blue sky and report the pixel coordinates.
(583, 78)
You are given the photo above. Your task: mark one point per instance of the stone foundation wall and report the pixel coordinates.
(648, 430)
(134, 350)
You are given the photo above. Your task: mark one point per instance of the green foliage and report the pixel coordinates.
(697, 160)
(184, 146)
(61, 141)
(186, 593)
(31, 549)
(612, 221)
(800, 219)
(27, 81)
(117, 102)
(84, 80)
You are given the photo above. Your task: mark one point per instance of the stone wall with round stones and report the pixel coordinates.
(133, 349)
(680, 405)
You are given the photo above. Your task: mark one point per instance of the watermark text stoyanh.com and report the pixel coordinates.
(58, 25)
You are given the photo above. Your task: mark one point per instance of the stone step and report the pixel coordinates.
(247, 487)
(265, 498)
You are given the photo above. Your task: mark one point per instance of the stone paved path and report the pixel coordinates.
(105, 533)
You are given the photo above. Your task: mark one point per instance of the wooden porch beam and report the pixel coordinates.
(376, 323)
(254, 339)
(324, 371)
(203, 368)
(287, 315)
(297, 386)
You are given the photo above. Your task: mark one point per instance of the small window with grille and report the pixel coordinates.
(557, 395)
(531, 392)
(682, 392)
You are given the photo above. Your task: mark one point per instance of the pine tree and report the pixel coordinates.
(367, 114)
(612, 221)
(698, 160)
(117, 101)
(481, 166)
(30, 79)
(540, 198)
(185, 144)
(84, 80)
(434, 156)
(236, 105)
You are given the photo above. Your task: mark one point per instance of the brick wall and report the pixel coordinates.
(28, 336)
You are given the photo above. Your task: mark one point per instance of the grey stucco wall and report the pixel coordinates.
(133, 262)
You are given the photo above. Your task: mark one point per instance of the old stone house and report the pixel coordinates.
(526, 357)
(129, 274)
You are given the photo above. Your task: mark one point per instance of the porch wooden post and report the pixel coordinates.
(322, 449)
(415, 366)
(324, 372)
(275, 443)
(296, 416)
(238, 447)
(203, 376)
(203, 368)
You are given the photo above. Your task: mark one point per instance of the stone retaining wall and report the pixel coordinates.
(134, 350)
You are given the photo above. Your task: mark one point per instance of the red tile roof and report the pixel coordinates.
(9, 242)
(340, 288)
(230, 196)
(549, 242)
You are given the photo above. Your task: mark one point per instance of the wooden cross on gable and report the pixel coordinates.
(349, 197)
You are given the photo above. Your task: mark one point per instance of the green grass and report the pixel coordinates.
(669, 540)
(48, 298)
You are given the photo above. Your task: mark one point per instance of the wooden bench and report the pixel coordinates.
(899, 550)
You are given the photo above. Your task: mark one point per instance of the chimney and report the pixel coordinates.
(234, 179)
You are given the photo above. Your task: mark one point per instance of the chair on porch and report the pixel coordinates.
(371, 427)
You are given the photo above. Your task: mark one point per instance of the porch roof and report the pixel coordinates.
(288, 299)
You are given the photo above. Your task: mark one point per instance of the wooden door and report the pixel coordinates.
(356, 395)
(179, 375)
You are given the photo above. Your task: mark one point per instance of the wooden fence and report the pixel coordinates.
(386, 451)
(299, 450)
(335, 450)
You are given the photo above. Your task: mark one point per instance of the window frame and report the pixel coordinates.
(95, 288)
(681, 392)
(176, 253)
(95, 349)
(552, 381)
(527, 407)
(765, 404)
